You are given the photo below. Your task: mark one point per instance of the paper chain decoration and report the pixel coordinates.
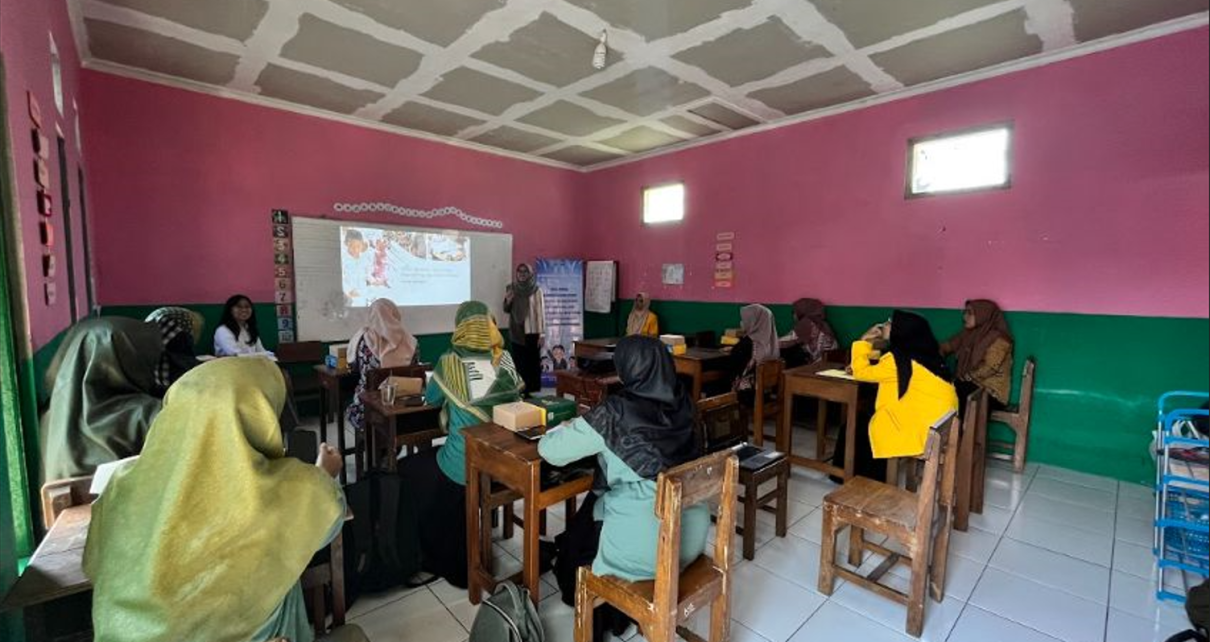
(361, 208)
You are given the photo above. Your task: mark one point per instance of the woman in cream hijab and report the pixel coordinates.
(384, 342)
(205, 536)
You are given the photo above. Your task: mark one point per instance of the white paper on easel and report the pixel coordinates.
(601, 286)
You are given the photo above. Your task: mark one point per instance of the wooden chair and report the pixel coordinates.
(1017, 418)
(661, 605)
(725, 410)
(970, 473)
(766, 402)
(323, 579)
(304, 381)
(920, 522)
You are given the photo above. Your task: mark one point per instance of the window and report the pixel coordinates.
(960, 162)
(664, 204)
(56, 73)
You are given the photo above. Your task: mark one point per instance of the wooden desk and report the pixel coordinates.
(587, 389)
(56, 570)
(496, 454)
(702, 365)
(406, 426)
(589, 347)
(333, 385)
(807, 382)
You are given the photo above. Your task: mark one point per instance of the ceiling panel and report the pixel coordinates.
(517, 75)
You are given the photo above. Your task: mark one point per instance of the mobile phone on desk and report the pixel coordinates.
(532, 434)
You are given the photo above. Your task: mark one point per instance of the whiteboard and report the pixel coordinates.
(320, 300)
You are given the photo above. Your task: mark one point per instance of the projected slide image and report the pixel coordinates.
(410, 268)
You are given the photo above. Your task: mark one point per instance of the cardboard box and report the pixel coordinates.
(555, 410)
(517, 416)
(729, 341)
(405, 386)
(678, 349)
(734, 333)
(339, 350)
(336, 363)
(673, 339)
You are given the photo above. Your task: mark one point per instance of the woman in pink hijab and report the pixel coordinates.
(383, 343)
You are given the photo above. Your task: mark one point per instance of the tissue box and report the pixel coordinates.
(734, 333)
(678, 349)
(729, 341)
(673, 339)
(336, 363)
(339, 350)
(517, 416)
(555, 410)
(405, 386)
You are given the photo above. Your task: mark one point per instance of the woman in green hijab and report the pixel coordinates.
(205, 536)
(467, 382)
(103, 395)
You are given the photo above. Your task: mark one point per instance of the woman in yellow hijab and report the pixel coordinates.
(205, 536)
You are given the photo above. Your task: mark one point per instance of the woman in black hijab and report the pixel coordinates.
(634, 435)
(900, 419)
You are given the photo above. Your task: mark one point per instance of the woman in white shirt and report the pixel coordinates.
(236, 333)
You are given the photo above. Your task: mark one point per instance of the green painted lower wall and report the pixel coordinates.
(1098, 375)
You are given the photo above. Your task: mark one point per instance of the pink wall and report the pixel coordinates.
(25, 36)
(1107, 214)
(183, 186)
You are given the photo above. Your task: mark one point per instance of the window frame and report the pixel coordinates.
(1009, 151)
(684, 203)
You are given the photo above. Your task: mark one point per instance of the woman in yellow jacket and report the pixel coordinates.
(914, 387)
(642, 321)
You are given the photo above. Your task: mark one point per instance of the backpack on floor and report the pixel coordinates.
(508, 616)
(373, 562)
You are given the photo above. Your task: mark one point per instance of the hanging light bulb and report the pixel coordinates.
(598, 57)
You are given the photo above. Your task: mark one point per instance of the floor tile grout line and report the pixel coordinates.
(1112, 558)
(1000, 540)
(1020, 624)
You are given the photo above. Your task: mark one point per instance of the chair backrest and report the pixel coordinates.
(374, 378)
(1027, 386)
(709, 479)
(768, 378)
(300, 352)
(720, 422)
(940, 470)
(839, 355)
(59, 495)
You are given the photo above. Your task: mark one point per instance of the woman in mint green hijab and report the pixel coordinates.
(205, 536)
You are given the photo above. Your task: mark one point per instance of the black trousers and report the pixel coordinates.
(578, 547)
(965, 388)
(528, 358)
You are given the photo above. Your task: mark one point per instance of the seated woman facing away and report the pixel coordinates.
(103, 397)
(984, 349)
(812, 337)
(467, 382)
(205, 536)
(180, 330)
(236, 333)
(384, 342)
(758, 345)
(635, 435)
(642, 321)
(914, 390)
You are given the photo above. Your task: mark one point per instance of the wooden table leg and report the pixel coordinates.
(850, 440)
(337, 559)
(697, 382)
(529, 559)
(821, 431)
(340, 435)
(784, 422)
(473, 527)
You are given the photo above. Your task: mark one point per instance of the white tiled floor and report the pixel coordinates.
(1057, 556)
